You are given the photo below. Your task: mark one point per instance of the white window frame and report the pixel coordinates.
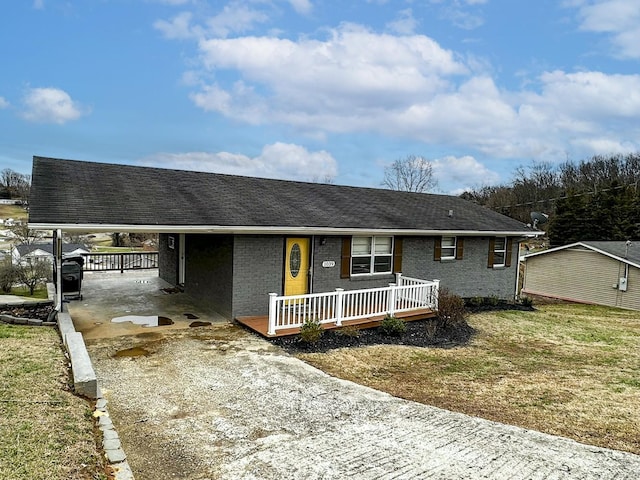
(372, 256)
(503, 251)
(447, 248)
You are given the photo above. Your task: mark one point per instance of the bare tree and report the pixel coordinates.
(14, 184)
(411, 174)
(23, 235)
(33, 273)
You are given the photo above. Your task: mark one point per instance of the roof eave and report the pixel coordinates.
(587, 246)
(272, 230)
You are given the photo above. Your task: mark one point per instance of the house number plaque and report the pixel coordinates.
(328, 264)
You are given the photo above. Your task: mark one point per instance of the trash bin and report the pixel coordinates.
(72, 278)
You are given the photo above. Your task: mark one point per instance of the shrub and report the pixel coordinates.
(349, 331)
(526, 301)
(393, 326)
(493, 301)
(476, 302)
(311, 331)
(8, 275)
(432, 329)
(451, 309)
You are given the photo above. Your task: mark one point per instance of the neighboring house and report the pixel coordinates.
(232, 240)
(603, 273)
(23, 253)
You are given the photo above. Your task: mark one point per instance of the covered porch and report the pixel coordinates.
(407, 298)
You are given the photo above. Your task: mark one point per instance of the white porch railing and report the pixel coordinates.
(405, 295)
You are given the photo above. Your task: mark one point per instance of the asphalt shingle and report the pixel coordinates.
(69, 192)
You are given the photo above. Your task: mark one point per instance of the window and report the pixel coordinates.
(448, 248)
(371, 255)
(500, 252)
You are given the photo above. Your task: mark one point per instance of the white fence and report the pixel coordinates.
(405, 295)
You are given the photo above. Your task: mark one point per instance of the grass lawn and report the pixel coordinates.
(46, 432)
(13, 211)
(569, 370)
(39, 292)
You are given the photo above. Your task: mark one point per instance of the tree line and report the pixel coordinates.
(594, 199)
(14, 185)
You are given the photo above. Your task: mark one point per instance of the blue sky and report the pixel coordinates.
(310, 89)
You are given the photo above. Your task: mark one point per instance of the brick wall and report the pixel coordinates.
(468, 277)
(258, 264)
(168, 258)
(209, 271)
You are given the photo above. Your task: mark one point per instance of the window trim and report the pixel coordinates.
(503, 251)
(443, 247)
(372, 256)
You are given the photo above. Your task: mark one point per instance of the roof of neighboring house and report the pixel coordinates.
(81, 195)
(618, 250)
(26, 249)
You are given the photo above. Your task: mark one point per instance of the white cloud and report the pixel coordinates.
(50, 105)
(278, 160)
(4, 103)
(179, 27)
(303, 7)
(405, 24)
(619, 18)
(233, 18)
(353, 76)
(464, 172)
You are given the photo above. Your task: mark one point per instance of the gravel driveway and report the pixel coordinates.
(220, 403)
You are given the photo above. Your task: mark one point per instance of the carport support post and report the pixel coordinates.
(58, 254)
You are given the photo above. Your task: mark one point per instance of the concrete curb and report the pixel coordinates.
(85, 383)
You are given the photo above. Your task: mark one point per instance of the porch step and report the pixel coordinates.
(260, 324)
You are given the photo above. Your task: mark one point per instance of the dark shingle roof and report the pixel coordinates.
(68, 192)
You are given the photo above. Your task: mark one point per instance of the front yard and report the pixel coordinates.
(569, 370)
(46, 432)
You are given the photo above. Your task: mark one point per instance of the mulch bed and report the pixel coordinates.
(36, 311)
(416, 335)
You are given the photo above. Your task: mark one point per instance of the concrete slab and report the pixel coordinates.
(109, 295)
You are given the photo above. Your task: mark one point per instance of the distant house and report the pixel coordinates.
(22, 254)
(603, 273)
(230, 240)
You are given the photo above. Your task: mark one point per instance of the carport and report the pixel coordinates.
(113, 295)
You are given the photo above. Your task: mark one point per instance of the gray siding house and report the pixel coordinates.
(230, 241)
(602, 273)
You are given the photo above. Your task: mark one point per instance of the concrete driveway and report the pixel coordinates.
(219, 403)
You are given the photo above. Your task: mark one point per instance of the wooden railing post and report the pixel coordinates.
(338, 306)
(399, 279)
(392, 299)
(271, 330)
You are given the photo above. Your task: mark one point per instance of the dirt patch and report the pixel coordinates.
(133, 352)
(199, 324)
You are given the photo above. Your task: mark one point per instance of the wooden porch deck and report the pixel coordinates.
(260, 324)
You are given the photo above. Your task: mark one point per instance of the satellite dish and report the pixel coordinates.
(539, 218)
